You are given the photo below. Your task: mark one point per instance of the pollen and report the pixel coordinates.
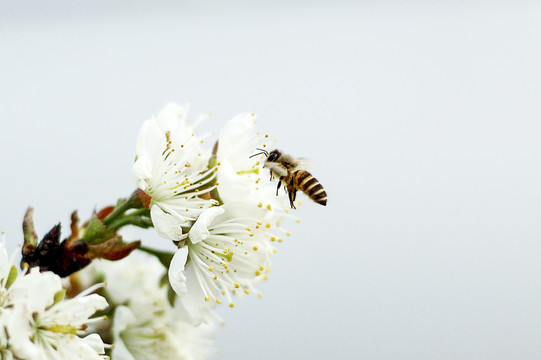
(298, 221)
(267, 225)
(260, 205)
(237, 286)
(260, 295)
(246, 291)
(288, 233)
(255, 248)
(280, 240)
(218, 301)
(182, 145)
(211, 268)
(207, 299)
(273, 238)
(261, 268)
(223, 292)
(257, 273)
(231, 305)
(269, 207)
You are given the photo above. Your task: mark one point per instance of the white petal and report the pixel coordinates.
(20, 331)
(36, 289)
(191, 306)
(142, 171)
(171, 116)
(199, 230)
(95, 342)
(166, 225)
(177, 278)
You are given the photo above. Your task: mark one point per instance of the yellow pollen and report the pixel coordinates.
(259, 294)
(218, 301)
(261, 268)
(267, 225)
(273, 238)
(257, 273)
(211, 268)
(248, 229)
(223, 292)
(231, 305)
(246, 291)
(260, 205)
(269, 207)
(207, 299)
(288, 233)
(215, 277)
(237, 286)
(274, 251)
(255, 248)
(298, 221)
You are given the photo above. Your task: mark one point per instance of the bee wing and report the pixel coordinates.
(276, 168)
(305, 164)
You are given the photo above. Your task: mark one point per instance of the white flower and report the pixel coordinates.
(146, 326)
(241, 177)
(226, 253)
(36, 322)
(172, 168)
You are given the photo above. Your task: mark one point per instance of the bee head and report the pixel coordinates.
(273, 156)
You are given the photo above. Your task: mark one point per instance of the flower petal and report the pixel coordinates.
(166, 225)
(199, 230)
(177, 278)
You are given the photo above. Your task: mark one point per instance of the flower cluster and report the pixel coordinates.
(37, 322)
(212, 204)
(145, 324)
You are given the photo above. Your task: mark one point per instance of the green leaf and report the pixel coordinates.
(59, 296)
(11, 277)
(97, 232)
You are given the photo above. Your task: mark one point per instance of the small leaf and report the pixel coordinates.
(12, 276)
(59, 296)
(97, 232)
(112, 249)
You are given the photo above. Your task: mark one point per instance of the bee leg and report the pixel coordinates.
(292, 196)
(278, 187)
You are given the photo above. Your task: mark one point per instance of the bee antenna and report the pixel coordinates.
(262, 151)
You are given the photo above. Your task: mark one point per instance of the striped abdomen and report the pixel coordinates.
(308, 184)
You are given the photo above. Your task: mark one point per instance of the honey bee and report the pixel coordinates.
(289, 171)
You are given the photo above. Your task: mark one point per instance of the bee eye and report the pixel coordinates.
(272, 157)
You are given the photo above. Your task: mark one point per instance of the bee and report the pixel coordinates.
(289, 171)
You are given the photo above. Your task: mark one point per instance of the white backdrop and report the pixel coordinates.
(422, 118)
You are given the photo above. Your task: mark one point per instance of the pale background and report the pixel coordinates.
(422, 118)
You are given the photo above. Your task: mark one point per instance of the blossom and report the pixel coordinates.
(241, 176)
(172, 168)
(145, 325)
(226, 254)
(36, 322)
